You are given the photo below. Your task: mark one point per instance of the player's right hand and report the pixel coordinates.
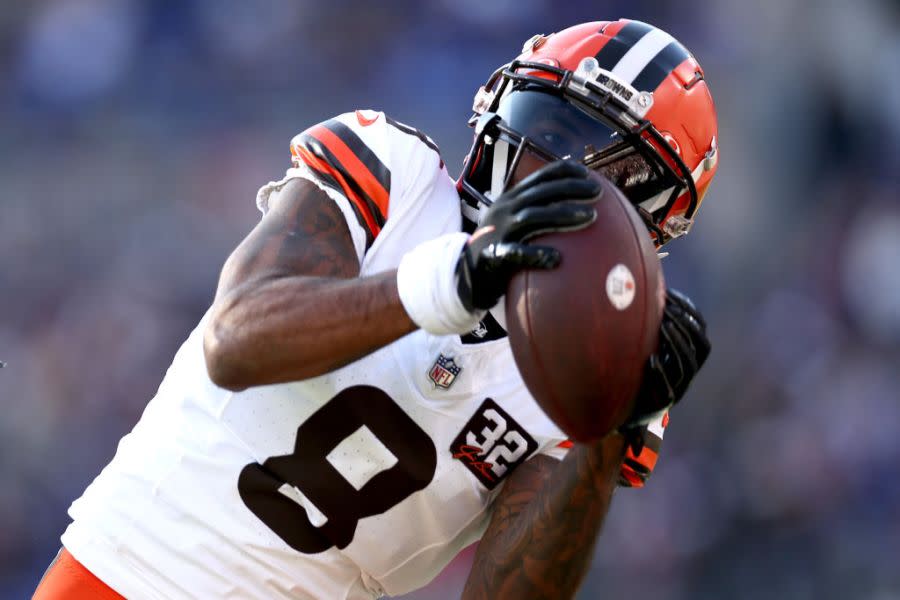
(553, 198)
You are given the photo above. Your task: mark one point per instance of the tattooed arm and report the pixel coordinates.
(289, 303)
(541, 536)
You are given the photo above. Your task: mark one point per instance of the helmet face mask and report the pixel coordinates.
(531, 112)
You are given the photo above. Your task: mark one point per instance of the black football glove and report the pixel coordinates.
(683, 348)
(553, 198)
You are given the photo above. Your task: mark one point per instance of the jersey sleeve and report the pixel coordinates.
(365, 162)
(557, 449)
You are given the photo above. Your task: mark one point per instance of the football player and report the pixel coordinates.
(347, 416)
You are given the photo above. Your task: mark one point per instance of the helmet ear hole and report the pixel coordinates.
(698, 77)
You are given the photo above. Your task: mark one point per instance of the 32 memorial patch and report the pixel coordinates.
(492, 444)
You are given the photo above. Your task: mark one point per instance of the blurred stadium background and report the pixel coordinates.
(134, 135)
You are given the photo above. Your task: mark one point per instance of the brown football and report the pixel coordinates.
(581, 333)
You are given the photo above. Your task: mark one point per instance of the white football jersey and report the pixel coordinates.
(362, 482)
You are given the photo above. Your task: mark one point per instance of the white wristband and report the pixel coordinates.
(426, 280)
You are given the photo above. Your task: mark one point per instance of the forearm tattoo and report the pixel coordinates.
(541, 536)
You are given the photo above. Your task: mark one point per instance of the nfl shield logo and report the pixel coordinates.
(444, 371)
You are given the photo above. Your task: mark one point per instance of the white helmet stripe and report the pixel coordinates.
(641, 54)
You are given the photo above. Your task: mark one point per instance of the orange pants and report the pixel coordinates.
(68, 579)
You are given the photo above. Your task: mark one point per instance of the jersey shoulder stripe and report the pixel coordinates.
(376, 176)
(325, 175)
(357, 180)
(335, 179)
(343, 161)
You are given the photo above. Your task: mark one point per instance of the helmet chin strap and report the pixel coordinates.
(472, 213)
(499, 167)
(499, 171)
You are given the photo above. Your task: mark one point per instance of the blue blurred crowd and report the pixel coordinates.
(133, 137)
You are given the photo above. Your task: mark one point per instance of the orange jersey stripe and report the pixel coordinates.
(366, 180)
(68, 579)
(317, 164)
(647, 457)
(630, 478)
